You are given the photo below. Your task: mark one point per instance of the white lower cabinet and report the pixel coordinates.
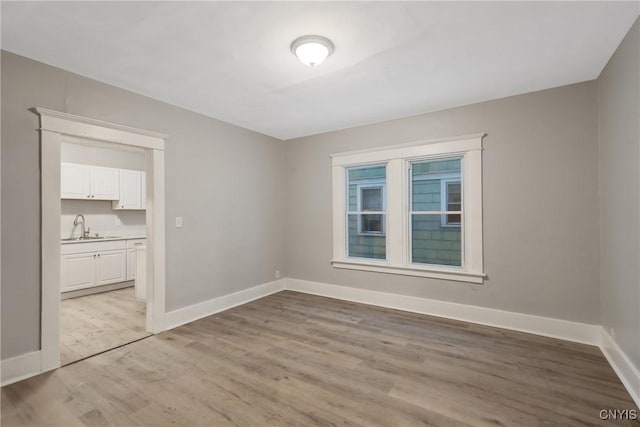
(131, 257)
(131, 264)
(85, 265)
(111, 267)
(77, 271)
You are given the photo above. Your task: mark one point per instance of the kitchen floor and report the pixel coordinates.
(94, 323)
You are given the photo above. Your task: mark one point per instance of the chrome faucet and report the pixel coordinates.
(84, 234)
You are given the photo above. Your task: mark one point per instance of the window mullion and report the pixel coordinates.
(395, 212)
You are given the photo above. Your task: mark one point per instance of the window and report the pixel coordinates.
(412, 209)
(366, 212)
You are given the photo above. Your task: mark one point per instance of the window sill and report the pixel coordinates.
(445, 274)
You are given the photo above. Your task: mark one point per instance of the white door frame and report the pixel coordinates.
(53, 126)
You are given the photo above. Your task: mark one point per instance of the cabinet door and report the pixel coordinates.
(75, 181)
(77, 271)
(105, 183)
(130, 190)
(111, 267)
(131, 264)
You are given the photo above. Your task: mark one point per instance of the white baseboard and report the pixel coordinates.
(20, 367)
(546, 326)
(190, 313)
(628, 373)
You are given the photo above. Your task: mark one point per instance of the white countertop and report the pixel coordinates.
(106, 239)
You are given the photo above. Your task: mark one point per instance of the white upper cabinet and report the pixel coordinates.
(132, 190)
(75, 181)
(105, 183)
(89, 182)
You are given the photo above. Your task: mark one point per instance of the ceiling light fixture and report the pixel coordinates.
(312, 50)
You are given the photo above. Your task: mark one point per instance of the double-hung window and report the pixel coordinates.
(413, 209)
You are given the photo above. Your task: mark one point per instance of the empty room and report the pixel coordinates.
(320, 213)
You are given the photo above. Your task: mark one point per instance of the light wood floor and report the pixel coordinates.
(94, 323)
(296, 359)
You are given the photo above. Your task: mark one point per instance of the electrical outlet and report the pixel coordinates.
(117, 222)
(179, 222)
(277, 274)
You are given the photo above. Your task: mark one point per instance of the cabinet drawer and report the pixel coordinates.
(131, 244)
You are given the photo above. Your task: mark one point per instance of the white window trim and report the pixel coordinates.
(469, 148)
(370, 183)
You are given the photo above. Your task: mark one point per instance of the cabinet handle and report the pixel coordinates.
(98, 255)
(122, 206)
(92, 196)
(94, 255)
(88, 196)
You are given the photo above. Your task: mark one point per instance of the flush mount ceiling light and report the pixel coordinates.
(312, 50)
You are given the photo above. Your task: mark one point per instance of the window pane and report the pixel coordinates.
(453, 218)
(371, 224)
(454, 201)
(366, 186)
(454, 194)
(371, 243)
(371, 199)
(427, 179)
(433, 243)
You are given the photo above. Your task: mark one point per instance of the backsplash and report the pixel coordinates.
(101, 219)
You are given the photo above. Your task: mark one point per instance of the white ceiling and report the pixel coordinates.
(231, 60)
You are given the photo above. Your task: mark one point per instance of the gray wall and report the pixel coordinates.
(619, 136)
(208, 164)
(540, 203)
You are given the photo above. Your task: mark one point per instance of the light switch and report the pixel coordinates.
(178, 222)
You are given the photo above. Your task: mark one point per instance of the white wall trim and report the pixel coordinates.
(54, 126)
(538, 325)
(622, 365)
(194, 312)
(60, 122)
(20, 367)
(467, 142)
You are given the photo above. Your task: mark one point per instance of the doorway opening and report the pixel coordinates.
(103, 244)
(103, 276)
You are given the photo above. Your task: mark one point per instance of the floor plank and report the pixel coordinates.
(94, 323)
(297, 359)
